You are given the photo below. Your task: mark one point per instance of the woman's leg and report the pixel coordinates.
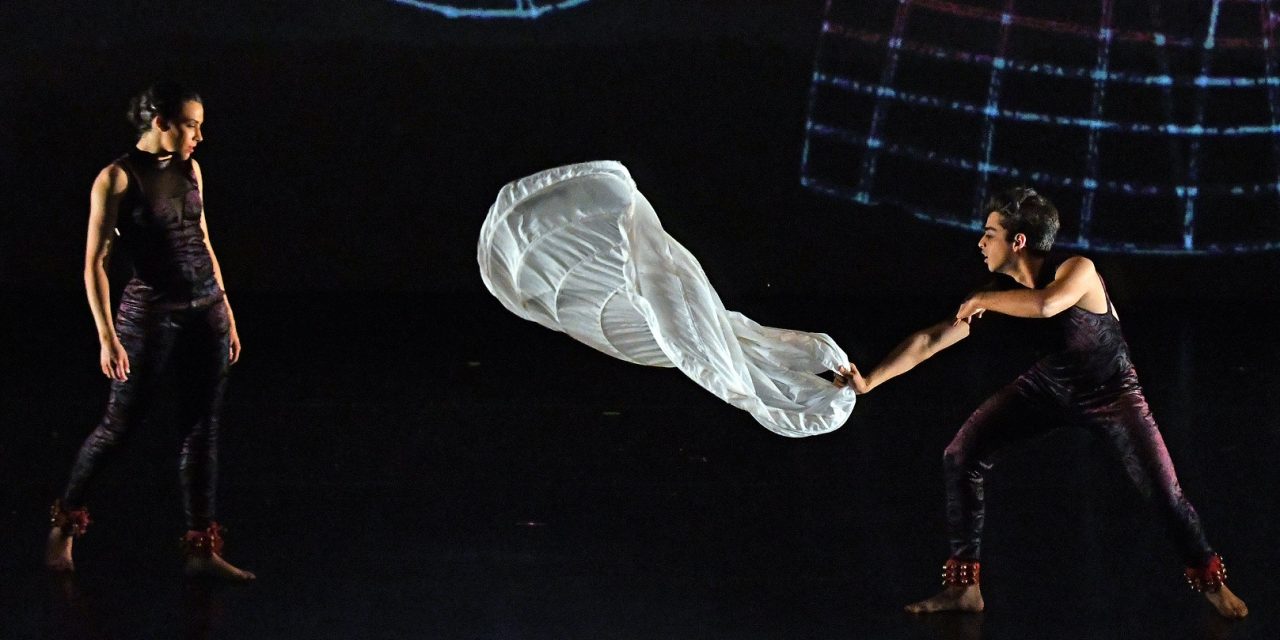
(203, 364)
(148, 338)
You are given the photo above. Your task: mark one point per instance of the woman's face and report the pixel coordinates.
(184, 132)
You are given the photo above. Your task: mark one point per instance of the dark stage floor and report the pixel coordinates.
(400, 467)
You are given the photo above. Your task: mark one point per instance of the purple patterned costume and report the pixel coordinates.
(1085, 380)
(172, 322)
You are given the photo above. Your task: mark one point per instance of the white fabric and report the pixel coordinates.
(578, 249)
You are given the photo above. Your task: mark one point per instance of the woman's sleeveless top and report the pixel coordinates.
(158, 224)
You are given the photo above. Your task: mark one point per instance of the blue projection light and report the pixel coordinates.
(1154, 127)
(522, 9)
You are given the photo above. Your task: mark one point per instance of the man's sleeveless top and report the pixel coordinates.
(159, 227)
(1084, 349)
(1076, 350)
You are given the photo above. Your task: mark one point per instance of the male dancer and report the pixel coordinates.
(1086, 379)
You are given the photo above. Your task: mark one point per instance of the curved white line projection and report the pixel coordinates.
(494, 9)
(951, 54)
(578, 249)
(1169, 142)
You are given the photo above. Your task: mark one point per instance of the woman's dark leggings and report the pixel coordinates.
(1026, 408)
(191, 346)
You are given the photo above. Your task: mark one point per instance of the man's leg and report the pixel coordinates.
(1016, 413)
(1120, 415)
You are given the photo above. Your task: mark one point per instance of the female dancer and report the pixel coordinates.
(173, 319)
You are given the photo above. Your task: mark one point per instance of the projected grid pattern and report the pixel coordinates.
(1155, 129)
(525, 9)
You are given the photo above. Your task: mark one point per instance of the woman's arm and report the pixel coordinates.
(217, 269)
(104, 204)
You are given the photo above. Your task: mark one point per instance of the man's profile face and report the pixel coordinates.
(997, 251)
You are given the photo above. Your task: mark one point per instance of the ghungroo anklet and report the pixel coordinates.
(960, 573)
(73, 522)
(1208, 578)
(203, 544)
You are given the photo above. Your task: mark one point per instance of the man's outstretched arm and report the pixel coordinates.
(916, 348)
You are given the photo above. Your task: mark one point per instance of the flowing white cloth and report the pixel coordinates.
(578, 249)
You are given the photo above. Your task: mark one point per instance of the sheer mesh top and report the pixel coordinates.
(159, 227)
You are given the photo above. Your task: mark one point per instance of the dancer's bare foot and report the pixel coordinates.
(955, 598)
(57, 553)
(215, 567)
(963, 626)
(1227, 604)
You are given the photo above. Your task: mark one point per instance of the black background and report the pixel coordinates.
(357, 146)
(401, 457)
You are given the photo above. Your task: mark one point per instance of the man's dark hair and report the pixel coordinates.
(164, 99)
(1024, 211)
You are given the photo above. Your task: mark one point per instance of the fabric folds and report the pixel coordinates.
(579, 250)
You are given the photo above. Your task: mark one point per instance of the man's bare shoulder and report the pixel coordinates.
(1073, 264)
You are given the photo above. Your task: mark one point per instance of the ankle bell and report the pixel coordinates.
(73, 522)
(1208, 578)
(957, 572)
(203, 544)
